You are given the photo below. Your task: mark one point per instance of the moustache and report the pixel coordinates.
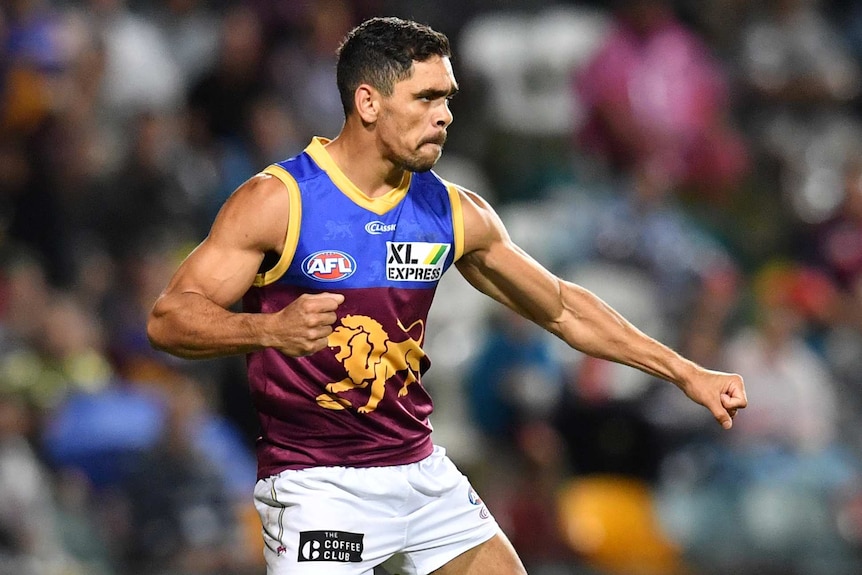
(438, 140)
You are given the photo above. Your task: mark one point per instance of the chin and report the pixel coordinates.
(421, 164)
(423, 167)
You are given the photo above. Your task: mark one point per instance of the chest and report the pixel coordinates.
(340, 242)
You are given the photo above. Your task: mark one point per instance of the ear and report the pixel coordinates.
(367, 102)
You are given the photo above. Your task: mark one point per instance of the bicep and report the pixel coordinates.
(497, 267)
(219, 272)
(252, 222)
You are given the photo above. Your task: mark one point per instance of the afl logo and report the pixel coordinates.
(329, 266)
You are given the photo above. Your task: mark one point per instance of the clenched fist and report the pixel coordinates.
(302, 327)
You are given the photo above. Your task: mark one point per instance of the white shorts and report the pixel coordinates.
(412, 519)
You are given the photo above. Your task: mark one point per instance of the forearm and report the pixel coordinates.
(189, 325)
(589, 325)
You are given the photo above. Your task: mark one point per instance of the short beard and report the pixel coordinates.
(418, 163)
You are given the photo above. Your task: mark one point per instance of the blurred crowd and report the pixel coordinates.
(697, 164)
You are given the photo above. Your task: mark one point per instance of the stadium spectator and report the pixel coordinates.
(799, 83)
(657, 102)
(780, 483)
(29, 537)
(302, 67)
(219, 102)
(187, 517)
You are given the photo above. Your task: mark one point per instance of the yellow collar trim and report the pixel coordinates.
(380, 205)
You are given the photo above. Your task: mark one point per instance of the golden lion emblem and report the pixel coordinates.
(370, 359)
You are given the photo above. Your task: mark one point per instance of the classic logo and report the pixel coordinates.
(376, 228)
(339, 546)
(329, 266)
(415, 261)
(371, 359)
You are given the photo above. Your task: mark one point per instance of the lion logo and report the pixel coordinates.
(336, 230)
(370, 359)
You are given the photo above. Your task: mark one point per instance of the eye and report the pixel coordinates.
(429, 96)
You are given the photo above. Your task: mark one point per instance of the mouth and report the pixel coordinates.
(438, 141)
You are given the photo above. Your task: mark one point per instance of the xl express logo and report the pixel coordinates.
(415, 261)
(329, 266)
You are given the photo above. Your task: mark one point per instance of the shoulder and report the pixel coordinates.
(260, 193)
(258, 210)
(482, 226)
(469, 201)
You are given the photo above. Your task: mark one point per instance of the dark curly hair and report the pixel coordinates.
(381, 51)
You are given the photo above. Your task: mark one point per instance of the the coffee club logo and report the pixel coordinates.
(337, 546)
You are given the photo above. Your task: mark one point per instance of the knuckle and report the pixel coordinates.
(307, 348)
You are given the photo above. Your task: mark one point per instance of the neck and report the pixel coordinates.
(356, 154)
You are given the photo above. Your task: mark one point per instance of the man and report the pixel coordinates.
(336, 254)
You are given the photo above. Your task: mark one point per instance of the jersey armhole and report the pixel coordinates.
(291, 239)
(457, 220)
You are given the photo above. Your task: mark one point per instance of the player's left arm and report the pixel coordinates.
(494, 265)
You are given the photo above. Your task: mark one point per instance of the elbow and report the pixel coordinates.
(159, 336)
(156, 334)
(160, 333)
(168, 331)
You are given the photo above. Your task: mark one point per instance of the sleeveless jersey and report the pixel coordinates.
(360, 401)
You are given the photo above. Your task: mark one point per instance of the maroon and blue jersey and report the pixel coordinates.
(360, 401)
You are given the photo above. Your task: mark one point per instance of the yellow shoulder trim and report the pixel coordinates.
(457, 219)
(291, 239)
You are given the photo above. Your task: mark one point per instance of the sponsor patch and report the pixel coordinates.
(329, 266)
(477, 501)
(337, 546)
(376, 228)
(415, 261)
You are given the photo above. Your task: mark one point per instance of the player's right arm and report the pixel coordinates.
(192, 316)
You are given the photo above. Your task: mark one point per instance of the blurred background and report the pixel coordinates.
(696, 163)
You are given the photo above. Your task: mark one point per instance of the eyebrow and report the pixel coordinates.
(434, 94)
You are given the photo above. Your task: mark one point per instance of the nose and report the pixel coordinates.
(446, 116)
